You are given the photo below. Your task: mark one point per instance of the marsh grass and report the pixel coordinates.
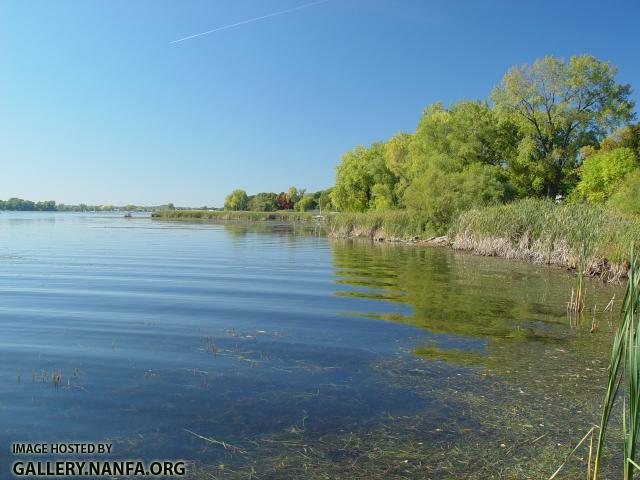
(590, 239)
(583, 234)
(219, 215)
(393, 225)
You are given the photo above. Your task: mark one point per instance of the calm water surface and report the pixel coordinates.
(311, 358)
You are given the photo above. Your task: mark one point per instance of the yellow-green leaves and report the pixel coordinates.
(602, 172)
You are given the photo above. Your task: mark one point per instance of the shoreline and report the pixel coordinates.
(598, 267)
(402, 227)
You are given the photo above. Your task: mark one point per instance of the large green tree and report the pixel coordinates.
(559, 107)
(363, 181)
(236, 200)
(442, 195)
(457, 160)
(263, 202)
(397, 159)
(468, 132)
(306, 203)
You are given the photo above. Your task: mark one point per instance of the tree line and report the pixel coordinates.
(18, 204)
(293, 199)
(27, 205)
(557, 129)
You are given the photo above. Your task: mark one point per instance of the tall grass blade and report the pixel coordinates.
(624, 369)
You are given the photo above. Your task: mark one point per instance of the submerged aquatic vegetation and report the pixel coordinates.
(453, 356)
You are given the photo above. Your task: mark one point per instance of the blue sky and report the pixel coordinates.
(97, 106)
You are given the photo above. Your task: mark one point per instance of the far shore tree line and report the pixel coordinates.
(554, 129)
(293, 199)
(18, 204)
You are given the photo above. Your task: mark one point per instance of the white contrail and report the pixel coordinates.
(251, 20)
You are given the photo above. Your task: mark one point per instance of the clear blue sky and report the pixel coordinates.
(97, 106)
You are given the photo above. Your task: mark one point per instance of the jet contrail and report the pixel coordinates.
(251, 20)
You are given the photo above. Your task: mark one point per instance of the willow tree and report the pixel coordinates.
(456, 161)
(363, 181)
(559, 107)
(236, 200)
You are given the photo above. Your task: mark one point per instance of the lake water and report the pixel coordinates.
(308, 358)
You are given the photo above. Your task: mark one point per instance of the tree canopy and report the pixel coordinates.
(236, 200)
(559, 107)
(553, 127)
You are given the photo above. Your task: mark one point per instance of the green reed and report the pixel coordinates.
(624, 372)
(583, 235)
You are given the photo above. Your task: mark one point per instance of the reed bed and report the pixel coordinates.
(393, 225)
(590, 239)
(224, 215)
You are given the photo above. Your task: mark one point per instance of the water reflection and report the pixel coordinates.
(469, 301)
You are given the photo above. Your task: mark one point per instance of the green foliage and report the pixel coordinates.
(363, 181)
(450, 163)
(441, 196)
(18, 204)
(625, 137)
(307, 202)
(626, 198)
(559, 107)
(324, 200)
(27, 205)
(263, 202)
(219, 215)
(543, 118)
(398, 161)
(294, 199)
(294, 195)
(455, 162)
(236, 200)
(465, 134)
(601, 173)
